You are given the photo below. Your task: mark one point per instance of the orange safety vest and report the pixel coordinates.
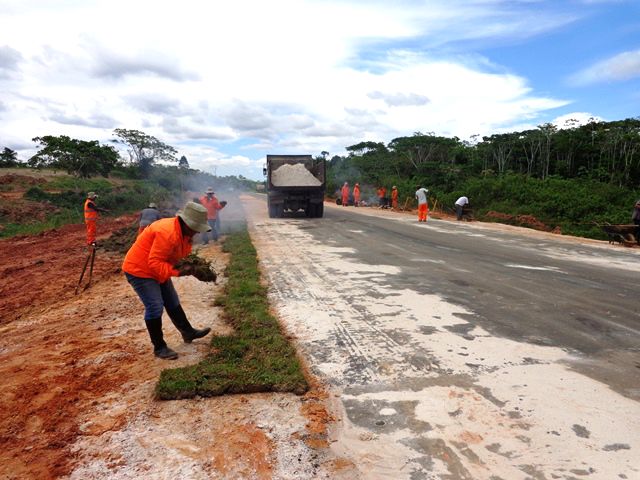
(356, 191)
(212, 206)
(89, 213)
(394, 194)
(156, 251)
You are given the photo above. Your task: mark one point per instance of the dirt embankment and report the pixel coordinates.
(77, 399)
(39, 271)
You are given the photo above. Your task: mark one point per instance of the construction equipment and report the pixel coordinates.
(292, 191)
(90, 257)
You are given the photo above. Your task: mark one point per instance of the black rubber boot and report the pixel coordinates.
(179, 319)
(160, 349)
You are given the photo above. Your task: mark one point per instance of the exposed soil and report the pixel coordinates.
(79, 378)
(18, 210)
(528, 221)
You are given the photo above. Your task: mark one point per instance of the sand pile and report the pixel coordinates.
(294, 176)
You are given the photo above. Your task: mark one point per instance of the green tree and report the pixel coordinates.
(183, 163)
(144, 149)
(77, 157)
(8, 158)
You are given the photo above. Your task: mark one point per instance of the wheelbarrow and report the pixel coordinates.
(624, 234)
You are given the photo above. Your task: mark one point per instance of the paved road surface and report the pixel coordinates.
(463, 350)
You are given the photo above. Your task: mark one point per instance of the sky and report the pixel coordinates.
(228, 82)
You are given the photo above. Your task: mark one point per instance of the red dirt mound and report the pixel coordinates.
(38, 271)
(20, 179)
(528, 221)
(25, 211)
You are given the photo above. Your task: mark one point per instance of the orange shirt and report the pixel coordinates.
(345, 191)
(212, 206)
(90, 213)
(382, 192)
(394, 194)
(156, 251)
(356, 191)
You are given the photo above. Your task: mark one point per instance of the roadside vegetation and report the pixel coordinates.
(573, 178)
(49, 189)
(257, 357)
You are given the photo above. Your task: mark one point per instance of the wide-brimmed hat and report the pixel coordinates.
(92, 195)
(210, 190)
(195, 216)
(153, 205)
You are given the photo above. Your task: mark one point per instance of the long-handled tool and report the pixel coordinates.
(92, 257)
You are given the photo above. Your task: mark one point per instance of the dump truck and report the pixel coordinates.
(295, 183)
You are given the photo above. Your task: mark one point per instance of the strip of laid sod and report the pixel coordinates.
(257, 357)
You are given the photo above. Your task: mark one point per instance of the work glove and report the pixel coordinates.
(223, 203)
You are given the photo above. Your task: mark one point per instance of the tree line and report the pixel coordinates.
(603, 151)
(86, 159)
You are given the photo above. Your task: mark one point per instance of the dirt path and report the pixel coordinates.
(78, 379)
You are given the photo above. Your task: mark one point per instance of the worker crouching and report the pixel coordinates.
(149, 266)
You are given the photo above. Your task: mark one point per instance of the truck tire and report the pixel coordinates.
(318, 210)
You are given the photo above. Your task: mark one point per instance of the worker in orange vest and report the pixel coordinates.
(149, 266)
(382, 196)
(213, 206)
(91, 217)
(394, 197)
(345, 194)
(356, 194)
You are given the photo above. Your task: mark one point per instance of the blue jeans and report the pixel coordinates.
(155, 296)
(215, 230)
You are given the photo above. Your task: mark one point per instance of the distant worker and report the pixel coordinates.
(394, 197)
(460, 204)
(148, 216)
(635, 218)
(149, 266)
(423, 204)
(345, 194)
(382, 196)
(91, 217)
(213, 207)
(356, 194)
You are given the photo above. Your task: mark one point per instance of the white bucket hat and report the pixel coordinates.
(195, 216)
(210, 190)
(153, 205)
(92, 195)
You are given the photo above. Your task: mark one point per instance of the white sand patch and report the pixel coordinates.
(506, 400)
(533, 267)
(601, 259)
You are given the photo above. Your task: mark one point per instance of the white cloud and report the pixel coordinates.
(621, 67)
(286, 76)
(575, 119)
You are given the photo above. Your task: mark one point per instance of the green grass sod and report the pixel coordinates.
(257, 357)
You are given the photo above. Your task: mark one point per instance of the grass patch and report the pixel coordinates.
(257, 357)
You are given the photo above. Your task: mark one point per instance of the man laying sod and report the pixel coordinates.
(151, 262)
